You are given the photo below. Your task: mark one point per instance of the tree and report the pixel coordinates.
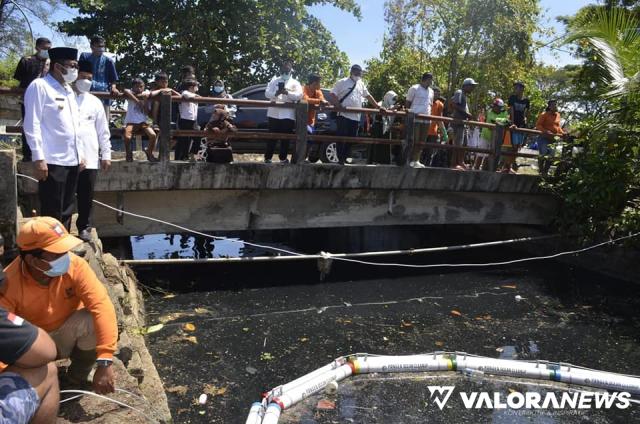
(241, 41)
(600, 188)
(15, 36)
(454, 39)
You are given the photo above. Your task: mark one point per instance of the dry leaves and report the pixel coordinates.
(439, 343)
(406, 324)
(189, 327)
(192, 339)
(456, 313)
(509, 286)
(179, 390)
(213, 390)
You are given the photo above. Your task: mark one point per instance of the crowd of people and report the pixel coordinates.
(52, 305)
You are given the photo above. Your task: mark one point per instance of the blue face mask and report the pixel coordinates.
(218, 89)
(59, 267)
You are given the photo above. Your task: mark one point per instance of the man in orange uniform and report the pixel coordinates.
(549, 123)
(436, 127)
(312, 94)
(57, 291)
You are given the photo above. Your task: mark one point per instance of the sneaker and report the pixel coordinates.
(416, 164)
(267, 161)
(284, 161)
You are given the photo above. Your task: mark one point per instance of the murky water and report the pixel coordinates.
(235, 332)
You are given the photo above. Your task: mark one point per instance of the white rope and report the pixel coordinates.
(86, 392)
(343, 257)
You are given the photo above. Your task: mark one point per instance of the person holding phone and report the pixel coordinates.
(282, 88)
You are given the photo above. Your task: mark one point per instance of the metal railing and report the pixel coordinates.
(301, 135)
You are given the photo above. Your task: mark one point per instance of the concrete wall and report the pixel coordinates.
(259, 196)
(140, 176)
(8, 197)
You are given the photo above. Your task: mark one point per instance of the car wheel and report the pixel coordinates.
(329, 153)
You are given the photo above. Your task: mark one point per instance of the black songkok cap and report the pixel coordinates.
(85, 66)
(63, 53)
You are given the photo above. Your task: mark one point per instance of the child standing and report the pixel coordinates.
(187, 121)
(136, 120)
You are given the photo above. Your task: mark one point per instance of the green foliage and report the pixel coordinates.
(601, 187)
(7, 68)
(240, 41)
(489, 41)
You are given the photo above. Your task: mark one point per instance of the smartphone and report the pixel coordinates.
(280, 86)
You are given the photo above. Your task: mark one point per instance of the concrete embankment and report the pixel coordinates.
(135, 371)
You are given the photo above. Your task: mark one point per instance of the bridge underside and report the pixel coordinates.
(258, 196)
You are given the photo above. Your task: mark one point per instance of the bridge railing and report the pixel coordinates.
(301, 135)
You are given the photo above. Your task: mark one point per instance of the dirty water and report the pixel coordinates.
(234, 333)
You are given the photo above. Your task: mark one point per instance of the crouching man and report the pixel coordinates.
(57, 291)
(28, 376)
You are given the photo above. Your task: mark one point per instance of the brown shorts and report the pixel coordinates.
(135, 129)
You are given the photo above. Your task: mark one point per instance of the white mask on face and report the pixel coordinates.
(218, 89)
(356, 78)
(43, 54)
(70, 76)
(83, 85)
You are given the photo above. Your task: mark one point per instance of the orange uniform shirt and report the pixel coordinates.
(48, 307)
(436, 110)
(549, 121)
(313, 97)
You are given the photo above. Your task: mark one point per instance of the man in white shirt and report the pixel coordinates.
(188, 117)
(350, 92)
(282, 88)
(95, 142)
(419, 100)
(51, 126)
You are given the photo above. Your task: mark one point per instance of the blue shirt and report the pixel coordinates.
(104, 71)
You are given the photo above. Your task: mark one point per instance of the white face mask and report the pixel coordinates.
(43, 54)
(83, 85)
(218, 89)
(356, 78)
(70, 76)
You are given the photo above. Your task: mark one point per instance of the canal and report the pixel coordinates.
(234, 331)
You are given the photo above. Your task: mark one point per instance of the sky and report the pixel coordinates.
(362, 40)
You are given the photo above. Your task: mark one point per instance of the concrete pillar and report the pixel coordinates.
(8, 199)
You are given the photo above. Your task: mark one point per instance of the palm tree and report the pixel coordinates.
(613, 35)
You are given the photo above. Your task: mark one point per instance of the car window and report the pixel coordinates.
(256, 95)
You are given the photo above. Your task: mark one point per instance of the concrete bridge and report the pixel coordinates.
(255, 196)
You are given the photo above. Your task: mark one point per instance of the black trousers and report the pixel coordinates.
(58, 193)
(26, 150)
(184, 144)
(346, 128)
(279, 126)
(84, 193)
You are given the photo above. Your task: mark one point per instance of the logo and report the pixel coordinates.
(532, 400)
(58, 230)
(69, 292)
(15, 319)
(440, 394)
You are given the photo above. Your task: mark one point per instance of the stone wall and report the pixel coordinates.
(135, 371)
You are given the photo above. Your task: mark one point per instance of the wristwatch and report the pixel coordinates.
(104, 363)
